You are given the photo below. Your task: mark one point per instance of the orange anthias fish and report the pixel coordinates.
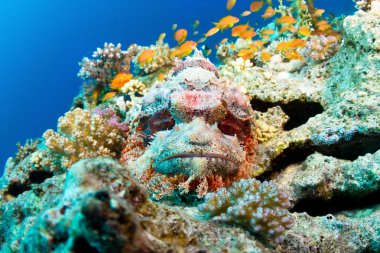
(226, 22)
(180, 35)
(265, 56)
(184, 50)
(146, 56)
(297, 43)
(304, 31)
(256, 6)
(245, 13)
(238, 30)
(288, 20)
(318, 12)
(293, 55)
(230, 4)
(246, 54)
(269, 12)
(120, 79)
(248, 34)
(109, 95)
(267, 32)
(224, 41)
(283, 45)
(212, 31)
(259, 43)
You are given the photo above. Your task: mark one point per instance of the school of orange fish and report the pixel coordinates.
(290, 26)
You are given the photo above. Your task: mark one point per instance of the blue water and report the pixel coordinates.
(42, 41)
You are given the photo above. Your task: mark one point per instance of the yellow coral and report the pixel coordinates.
(134, 86)
(82, 134)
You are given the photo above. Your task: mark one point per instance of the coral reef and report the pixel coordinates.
(160, 58)
(277, 149)
(258, 206)
(83, 134)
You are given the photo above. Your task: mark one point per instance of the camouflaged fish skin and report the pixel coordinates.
(196, 130)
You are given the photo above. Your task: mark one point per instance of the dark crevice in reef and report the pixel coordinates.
(81, 245)
(358, 145)
(39, 176)
(15, 189)
(298, 111)
(35, 177)
(320, 207)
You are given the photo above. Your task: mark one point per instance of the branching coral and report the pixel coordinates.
(159, 58)
(363, 4)
(260, 207)
(82, 134)
(29, 147)
(134, 86)
(106, 63)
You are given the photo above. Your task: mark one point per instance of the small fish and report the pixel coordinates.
(145, 56)
(195, 32)
(96, 92)
(269, 12)
(256, 6)
(282, 46)
(161, 77)
(226, 22)
(180, 35)
(286, 20)
(184, 50)
(201, 40)
(265, 56)
(223, 41)
(304, 31)
(287, 28)
(297, 43)
(324, 27)
(239, 29)
(246, 13)
(259, 43)
(174, 27)
(119, 80)
(109, 95)
(211, 32)
(293, 55)
(322, 22)
(196, 24)
(267, 32)
(162, 37)
(230, 4)
(246, 54)
(253, 48)
(318, 12)
(249, 34)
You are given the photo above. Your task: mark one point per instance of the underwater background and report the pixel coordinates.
(42, 42)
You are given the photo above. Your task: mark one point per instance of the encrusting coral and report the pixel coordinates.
(83, 134)
(260, 207)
